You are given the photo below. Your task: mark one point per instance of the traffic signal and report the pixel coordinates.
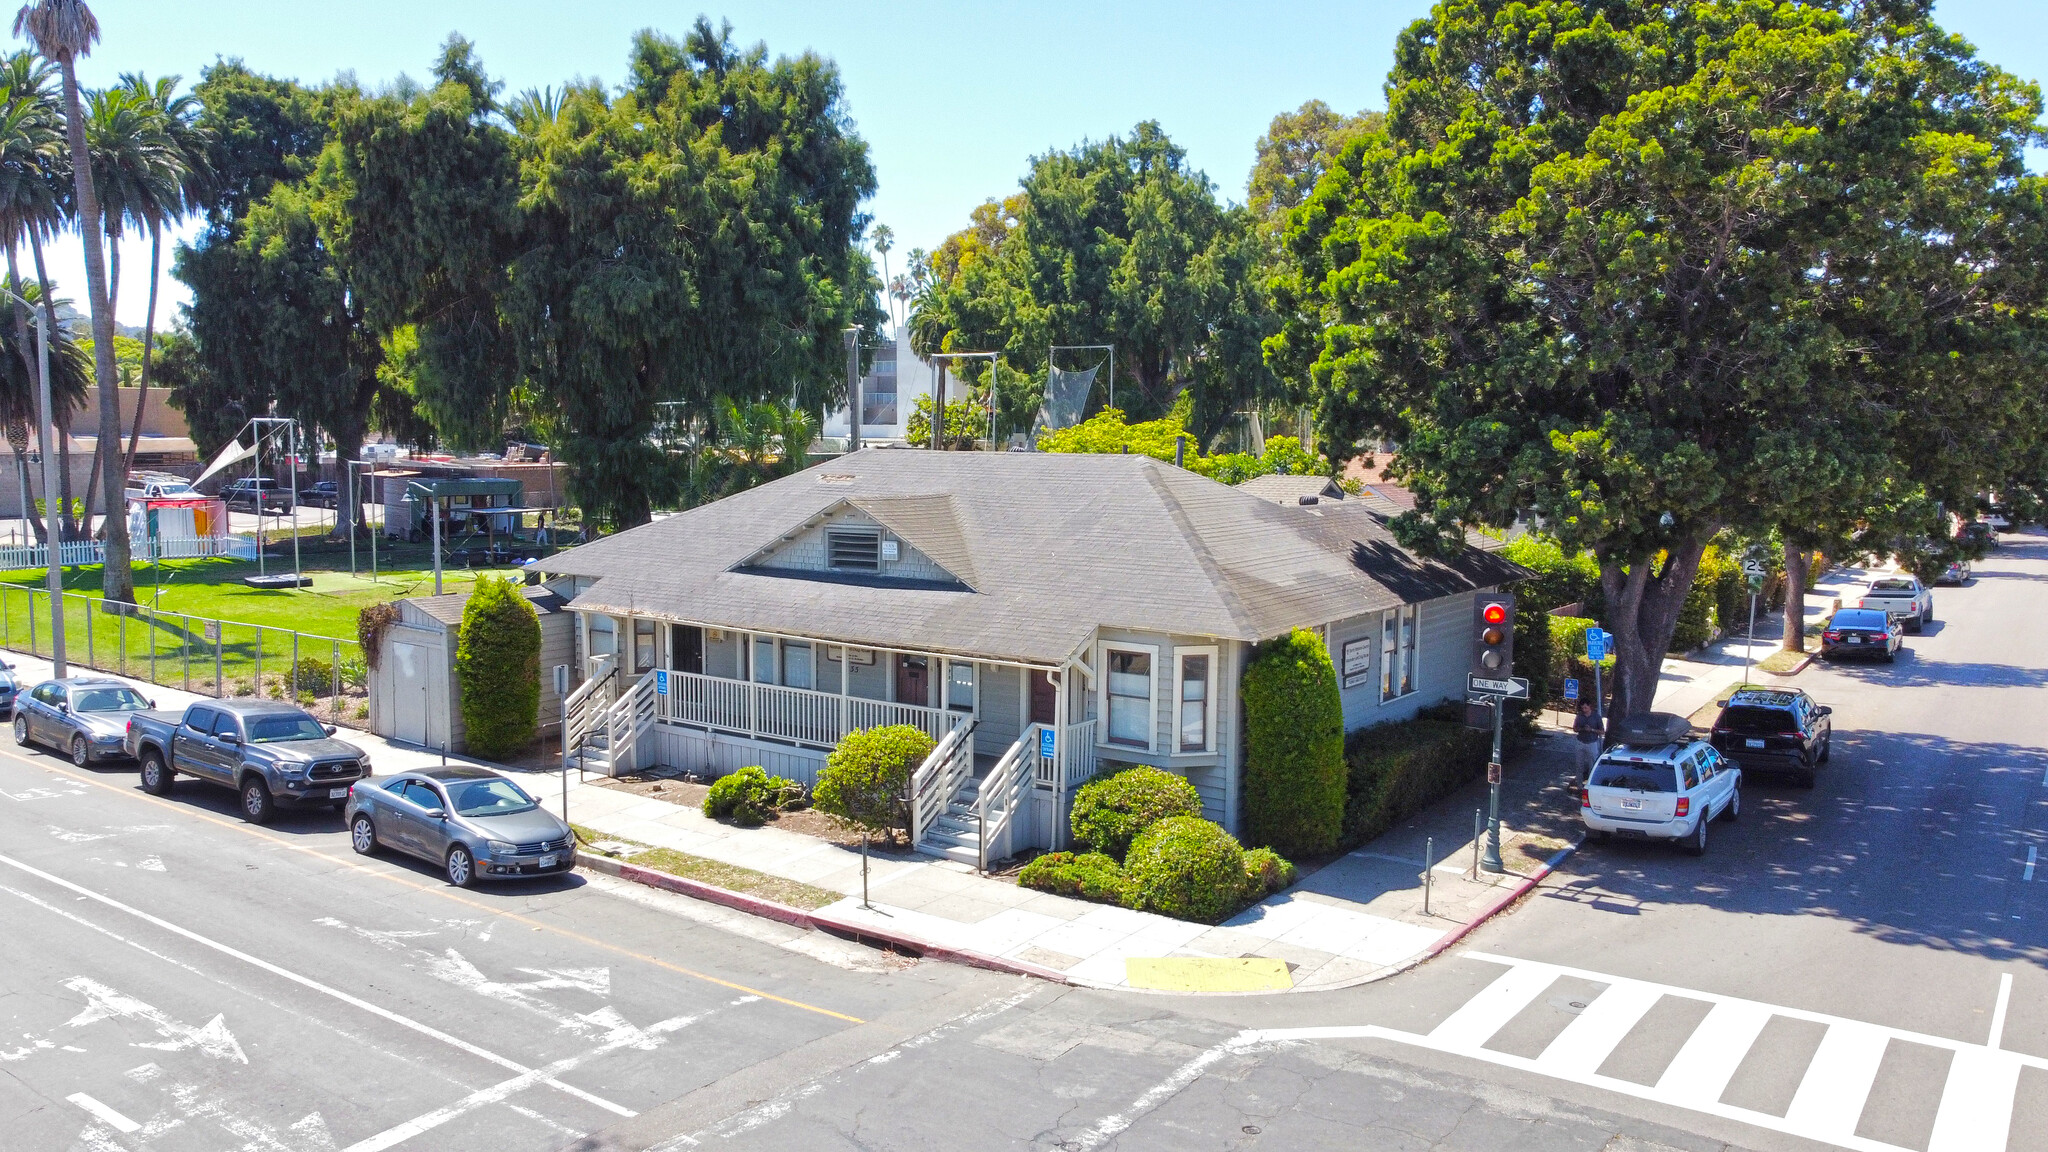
(1493, 636)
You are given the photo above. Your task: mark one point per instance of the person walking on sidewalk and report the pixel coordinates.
(1586, 726)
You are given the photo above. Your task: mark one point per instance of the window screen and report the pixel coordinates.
(857, 551)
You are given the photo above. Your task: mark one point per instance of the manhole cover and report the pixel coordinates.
(1250, 1129)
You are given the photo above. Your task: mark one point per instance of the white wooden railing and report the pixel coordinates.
(1004, 792)
(585, 708)
(1070, 765)
(939, 778)
(798, 715)
(632, 714)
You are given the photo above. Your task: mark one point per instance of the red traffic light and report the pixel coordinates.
(1496, 613)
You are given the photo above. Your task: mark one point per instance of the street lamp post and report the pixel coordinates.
(54, 578)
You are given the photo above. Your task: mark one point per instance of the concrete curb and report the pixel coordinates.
(798, 917)
(1520, 890)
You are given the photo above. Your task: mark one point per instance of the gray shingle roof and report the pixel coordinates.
(1290, 489)
(1057, 545)
(447, 608)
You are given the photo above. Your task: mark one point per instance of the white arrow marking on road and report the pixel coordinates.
(104, 1114)
(103, 1003)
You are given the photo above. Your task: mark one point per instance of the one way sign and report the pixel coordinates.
(1513, 688)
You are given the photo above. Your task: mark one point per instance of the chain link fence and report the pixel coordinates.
(326, 675)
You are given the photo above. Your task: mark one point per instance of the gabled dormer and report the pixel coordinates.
(915, 541)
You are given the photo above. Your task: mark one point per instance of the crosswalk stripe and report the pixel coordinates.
(1976, 1103)
(1590, 1038)
(1474, 1023)
(1707, 1061)
(1837, 1083)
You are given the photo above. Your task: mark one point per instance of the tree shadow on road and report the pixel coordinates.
(1908, 838)
(1916, 671)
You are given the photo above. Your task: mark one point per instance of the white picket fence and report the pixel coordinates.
(76, 552)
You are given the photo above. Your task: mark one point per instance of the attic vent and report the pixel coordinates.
(859, 551)
(1306, 501)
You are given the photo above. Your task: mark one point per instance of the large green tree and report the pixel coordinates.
(1619, 266)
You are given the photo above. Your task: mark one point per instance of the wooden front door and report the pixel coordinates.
(913, 680)
(686, 648)
(1044, 697)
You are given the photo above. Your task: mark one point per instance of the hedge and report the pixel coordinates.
(1568, 659)
(749, 796)
(1110, 811)
(1088, 876)
(1294, 747)
(866, 779)
(1559, 579)
(1397, 769)
(497, 663)
(1533, 661)
(1187, 868)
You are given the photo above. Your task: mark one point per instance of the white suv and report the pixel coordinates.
(1661, 792)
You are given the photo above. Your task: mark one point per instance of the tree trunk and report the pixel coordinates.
(156, 252)
(101, 446)
(18, 422)
(1643, 610)
(117, 580)
(1796, 560)
(60, 418)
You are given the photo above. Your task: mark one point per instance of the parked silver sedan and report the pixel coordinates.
(473, 823)
(84, 716)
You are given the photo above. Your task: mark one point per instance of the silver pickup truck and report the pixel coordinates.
(1903, 598)
(269, 753)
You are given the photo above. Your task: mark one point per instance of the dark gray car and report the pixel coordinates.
(84, 716)
(473, 823)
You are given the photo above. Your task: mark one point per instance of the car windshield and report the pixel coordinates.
(1635, 777)
(1891, 586)
(1858, 620)
(488, 798)
(107, 698)
(1741, 719)
(282, 729)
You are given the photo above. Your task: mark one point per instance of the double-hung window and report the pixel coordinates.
(796, 664)
(764, 660)
(1128, 684)
(1397, 651)
(1194, 722)
(960, 685)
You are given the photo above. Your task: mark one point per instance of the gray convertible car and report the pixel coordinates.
(85, 716)
(474, 824)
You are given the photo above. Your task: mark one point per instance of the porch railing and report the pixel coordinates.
(1070, 765)
(1004, 792)
(584, 709)
(799, 715)
(938, 779)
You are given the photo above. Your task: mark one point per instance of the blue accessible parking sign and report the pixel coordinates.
(1047, 742)
(661, 681)
(1571, 689)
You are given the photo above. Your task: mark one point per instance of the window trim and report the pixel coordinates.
(1214, 653)
(1102, 739)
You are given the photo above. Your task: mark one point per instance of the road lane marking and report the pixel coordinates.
(347, 864)
(2031, 853)
(626, 1037)
(1998, 1011)
(1708, 1058)
(104, 1114)
(423, 1029)
(1831, 1095)
(104, 1003)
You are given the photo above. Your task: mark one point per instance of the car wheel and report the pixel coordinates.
(81, 752)
(1696, 844)
(1891, 655)
(1827, 748)
(21, 730)
(257, 806)
(362, 836)
(1733, 811)
(1805, 779)
(156, 779)
(461, 867)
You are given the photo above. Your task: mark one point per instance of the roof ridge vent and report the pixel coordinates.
(1305, 501)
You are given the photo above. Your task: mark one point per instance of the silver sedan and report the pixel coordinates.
(85, 716)
(474, 824)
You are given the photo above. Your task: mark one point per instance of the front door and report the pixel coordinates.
(686, 648)
(913, 680)
(409, 705)
(1044, 697)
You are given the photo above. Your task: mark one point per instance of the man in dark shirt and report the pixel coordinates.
(1586, 726)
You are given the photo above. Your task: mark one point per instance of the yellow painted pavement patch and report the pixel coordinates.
(1207, 973)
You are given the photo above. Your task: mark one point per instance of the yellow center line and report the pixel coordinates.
(435, 890)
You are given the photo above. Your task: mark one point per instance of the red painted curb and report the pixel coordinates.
(775, 910)
(1520, 890)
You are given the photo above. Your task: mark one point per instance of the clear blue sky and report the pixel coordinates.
(952, 98)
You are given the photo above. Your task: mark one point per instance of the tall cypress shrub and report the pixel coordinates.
(1294, 747)
(497, 663)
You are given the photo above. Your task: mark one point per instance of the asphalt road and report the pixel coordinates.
(1832, 974)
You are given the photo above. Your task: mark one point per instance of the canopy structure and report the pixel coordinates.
(432, 488)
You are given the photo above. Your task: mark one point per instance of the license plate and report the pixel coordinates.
(336, 793)
(1855, 639)
(1752, 743)
(550, 860)
(1632, 805)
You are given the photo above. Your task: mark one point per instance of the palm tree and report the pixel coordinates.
(31, 158)
(885, 239)
(64, 30)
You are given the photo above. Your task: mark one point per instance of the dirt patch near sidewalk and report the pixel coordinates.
(679, 787)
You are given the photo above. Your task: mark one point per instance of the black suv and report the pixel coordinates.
(1775, 730)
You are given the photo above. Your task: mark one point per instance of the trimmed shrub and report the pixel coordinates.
(1187, 868)
(1532, 662)
(497, 665)
(750, 795)
(314, 675)
(1088, 876)
(866, 781)
(1568, 659)
(1397, 769)
(1696, 622)
(1110, 811)
(1265, 873)
(1294, 747)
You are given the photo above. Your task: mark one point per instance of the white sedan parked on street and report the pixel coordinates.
(1661, 792)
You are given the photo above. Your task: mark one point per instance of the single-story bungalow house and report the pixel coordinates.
(1044, 616)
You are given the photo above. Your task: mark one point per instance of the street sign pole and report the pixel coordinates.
(1491, 861)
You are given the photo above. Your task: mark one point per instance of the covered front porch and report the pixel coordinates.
(1013, 738)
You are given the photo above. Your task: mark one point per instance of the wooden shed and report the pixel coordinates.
(414, 697)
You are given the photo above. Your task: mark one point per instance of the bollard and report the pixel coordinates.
(1428, 873)
(1478, 831)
